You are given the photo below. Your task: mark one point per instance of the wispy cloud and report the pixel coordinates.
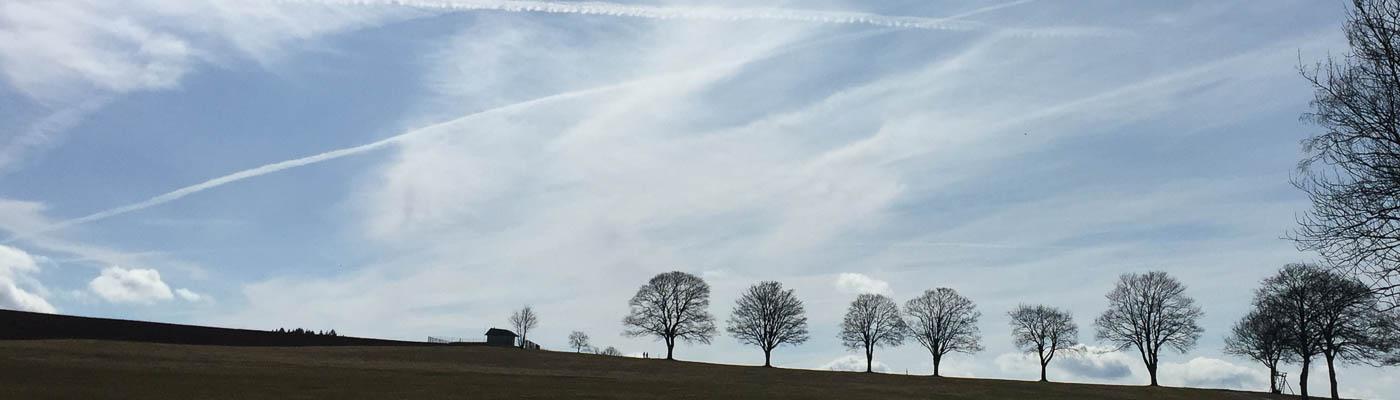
(950, 23)
(69, 59)
(452, 125)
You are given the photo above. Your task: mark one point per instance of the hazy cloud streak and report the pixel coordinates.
(417, 132)
(950, 23)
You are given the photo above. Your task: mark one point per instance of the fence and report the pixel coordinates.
(454, 340)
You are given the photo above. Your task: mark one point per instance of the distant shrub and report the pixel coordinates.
(300, 331)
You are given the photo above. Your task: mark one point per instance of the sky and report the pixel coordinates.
(404, 169)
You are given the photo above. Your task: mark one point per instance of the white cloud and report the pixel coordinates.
(16, 267)
(853, 363)
(55, 50)
(21, 218)
(190, 295)
(72, 57)
(1100, 364)
(16, 298)
(1085, 363)
(857, 283)
(1094, 363)
(1210, 372)
(15, 261)
(119, 285)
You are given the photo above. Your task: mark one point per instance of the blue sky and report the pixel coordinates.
(442, 162)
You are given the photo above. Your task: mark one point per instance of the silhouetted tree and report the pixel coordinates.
(943, 321)
(1290, 293)
(524, 320)
(1261, 336)
(872, 321)
(578, 340)
(672, 306)
(611, 351)
(768, 316)
(1351, 172)
(1043, 330)
(1149, 312)
(1326, 313)
(1350, 328)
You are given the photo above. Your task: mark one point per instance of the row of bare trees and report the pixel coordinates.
(1305, 311)
(526, 319)
(580, 342)
(1147, 312)
(941, 320)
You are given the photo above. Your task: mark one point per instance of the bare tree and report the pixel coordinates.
(943, 321)
(872, 321)
(578, 340)
(524, 320)
(1324, 312)
(611, 351)
(1261, 336)
(1044, 330)
(1351, 171)
(672, 306)
(1149, 312)
(1290, 293)
(768, 316)
(1350, 328)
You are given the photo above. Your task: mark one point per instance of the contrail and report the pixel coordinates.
(350, 151)
(312, 159)
(986, 9)
(950, 23)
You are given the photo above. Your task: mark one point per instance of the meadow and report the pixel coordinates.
(90, 369)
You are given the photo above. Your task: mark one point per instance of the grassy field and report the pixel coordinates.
(88, 369)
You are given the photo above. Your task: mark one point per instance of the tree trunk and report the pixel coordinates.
(670, 346)
(935, 365)
(1273, 379)
(1152, 371)
(768, 358)
(1332, 373)
(1303, 379)
(869, 359)
(1042, 373)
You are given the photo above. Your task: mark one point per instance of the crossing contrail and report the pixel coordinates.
(402, 137)
(312, 159)
(949, 23)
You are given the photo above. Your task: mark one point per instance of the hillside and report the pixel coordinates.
(30, 325)
(71, 369)
(67, 357)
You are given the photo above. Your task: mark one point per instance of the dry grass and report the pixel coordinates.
(86, 369)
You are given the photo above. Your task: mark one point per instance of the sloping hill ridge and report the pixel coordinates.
(88, 369)
(28, 325)
(104, 369)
